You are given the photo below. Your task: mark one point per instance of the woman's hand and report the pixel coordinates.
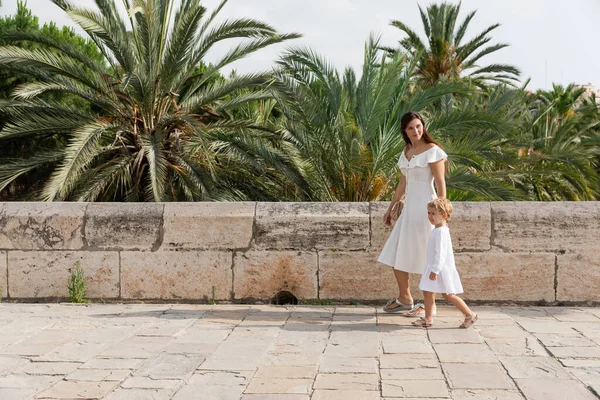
(387, 218)
(432, 276)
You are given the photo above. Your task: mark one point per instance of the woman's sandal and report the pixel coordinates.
(419, 311)
(399, 306)
(469, 321)
(422, 322)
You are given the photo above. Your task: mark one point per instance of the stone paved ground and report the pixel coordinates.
(294, 353)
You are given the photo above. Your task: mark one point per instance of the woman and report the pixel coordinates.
(422, 163)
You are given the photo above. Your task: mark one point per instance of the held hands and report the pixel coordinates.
(432, 276)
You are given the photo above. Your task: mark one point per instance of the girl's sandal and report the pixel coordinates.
(469, 321)
(422, 322)
(418, 310)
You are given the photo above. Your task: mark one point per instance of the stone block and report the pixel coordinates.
(3, 275)
(358, 275)
(507, 276)
(207, 225)
(554, 389)
(262, 274)
(41, 226)
(42, 274)
(545, 226)
(379, 231)
(124, 226)
(195, 275)
(307, 226)
(578, 277)
(470, 226)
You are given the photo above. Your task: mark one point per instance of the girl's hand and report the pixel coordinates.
(432, 276)
(387, 219)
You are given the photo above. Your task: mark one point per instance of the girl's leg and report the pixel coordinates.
(458, 303)
(404, 289)
(429, 300)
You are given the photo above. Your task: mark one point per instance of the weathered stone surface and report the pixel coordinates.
(283, 385)
(171, 366)
(41, 226)
(176, 275)
(527, 346)
(534, 368)
(414, 388)
(262, 274)
(124, 226)
(477, 376)
(50, 368)
(470, 226)
(3, 275)
(336, 365)
(464, 353)
(481, 394)
(379, 231)
(549, 226)
(554, 389)
(339, 395)
(579, 276)
(507, 276)
(355, 275)
(347, 381)
(46, 273)
(207, 225)
(307, 226)
(141, 394)
(78, 390)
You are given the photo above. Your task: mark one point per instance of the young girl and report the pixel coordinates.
(440, 274)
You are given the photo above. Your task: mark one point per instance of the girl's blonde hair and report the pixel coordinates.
(443, 205)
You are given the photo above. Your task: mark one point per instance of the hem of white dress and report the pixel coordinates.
(399, 269)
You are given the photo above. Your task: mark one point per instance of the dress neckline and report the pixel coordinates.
(416, 155)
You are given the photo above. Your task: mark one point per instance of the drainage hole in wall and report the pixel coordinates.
(284, 297)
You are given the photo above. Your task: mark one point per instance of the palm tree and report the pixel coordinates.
(557, 147)
(348, 130)
(447, 54)
(159, 126)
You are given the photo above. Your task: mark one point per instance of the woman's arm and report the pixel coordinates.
(398, 195)
(438, 170)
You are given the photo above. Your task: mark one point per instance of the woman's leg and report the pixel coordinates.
(458, 303)
(429, 300)
(404, 289)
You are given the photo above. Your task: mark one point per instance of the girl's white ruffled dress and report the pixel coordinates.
(440, 261)
(406, 248)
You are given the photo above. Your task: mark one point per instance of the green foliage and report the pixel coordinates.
(157, 128)
(348, 130)
(16, 30)
(76, 285)
(447, 55)
(136, 114)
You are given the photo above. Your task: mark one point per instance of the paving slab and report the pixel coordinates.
(554, 389)
(262, 352)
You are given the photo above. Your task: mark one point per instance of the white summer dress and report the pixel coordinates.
(406, 248)
(440, 261)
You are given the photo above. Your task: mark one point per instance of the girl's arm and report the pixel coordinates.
(436, 263)
(437, 169)
(398, 195)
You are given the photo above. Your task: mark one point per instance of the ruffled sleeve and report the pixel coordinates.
(402, 161)
(432, 155)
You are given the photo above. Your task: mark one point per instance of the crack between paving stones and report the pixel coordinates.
(437, 356)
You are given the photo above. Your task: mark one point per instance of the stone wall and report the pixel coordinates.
(517, 251)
